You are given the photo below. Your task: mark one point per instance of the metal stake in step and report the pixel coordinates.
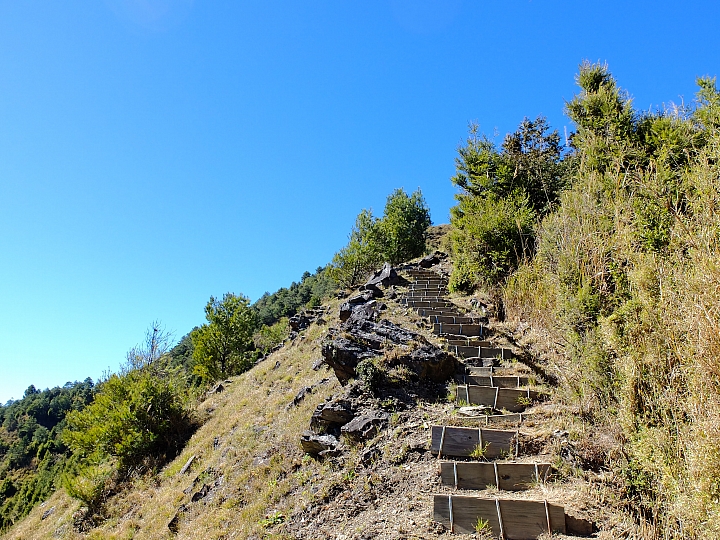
(500, 521)
(547, 516)
(442, 440)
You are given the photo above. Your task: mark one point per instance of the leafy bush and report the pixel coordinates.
(137, 420)
(224, 346)
(269, 337)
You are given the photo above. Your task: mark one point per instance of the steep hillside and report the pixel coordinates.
(244, 474)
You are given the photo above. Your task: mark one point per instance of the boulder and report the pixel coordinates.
(299, 322)
(372, 288)
(332, 414)
(365, 296)
(345, 311)
(385, 277)
(315, 444)
(342, 355)
(365, 426)
(432, 259)
(432, 363)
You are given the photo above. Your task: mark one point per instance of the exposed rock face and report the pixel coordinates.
(432, 363)
(304, 319)
(360, 338)
(343, 355)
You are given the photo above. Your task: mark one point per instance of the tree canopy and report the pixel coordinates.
(224, 346)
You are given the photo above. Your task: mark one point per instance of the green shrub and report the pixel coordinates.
(370, 374)
(138, 419)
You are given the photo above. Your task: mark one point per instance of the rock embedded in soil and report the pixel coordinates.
(365, 426)
(315, 444)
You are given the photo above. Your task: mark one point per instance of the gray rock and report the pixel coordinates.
(385, 277)
(315, 444)
(374, 289)
(432, 363)
(365, 426)
(334, 413)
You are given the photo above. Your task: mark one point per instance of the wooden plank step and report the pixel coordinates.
(466, 341)
(502, 381)
(470, 330)
(427, 312)
(512, 519)
(505, 476)
(478, 371)
(428, 304)
(510, 399)
(464, 442)
(424, 298)
(449, 319)
(491, 419)
(481, 352)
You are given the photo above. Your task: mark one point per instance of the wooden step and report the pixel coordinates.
(470, 330)
(428, 312)
(479, 442)
(467, 341)
(423, 298)
(481, 352)
(512, 418)
(512, 519)
(449, 319)
(510, 399)
(505, 476)
(428, 304)
(502, 381)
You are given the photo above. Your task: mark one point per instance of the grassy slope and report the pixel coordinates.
(262, 486)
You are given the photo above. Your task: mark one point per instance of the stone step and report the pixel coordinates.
(470, 330)
(427, 292)
(509, 399)
(480, 352)
(512, 519)
(475, 442)
(491, 419)
(505, 476)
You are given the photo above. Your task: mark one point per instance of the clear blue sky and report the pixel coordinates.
(156, 152)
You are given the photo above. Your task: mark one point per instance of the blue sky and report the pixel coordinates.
(156, 152)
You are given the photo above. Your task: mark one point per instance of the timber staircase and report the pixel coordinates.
(485, 459)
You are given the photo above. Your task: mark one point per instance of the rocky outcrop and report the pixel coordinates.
(365, 426)
(385, 277)
(360, 338)
(432, 259)
(318, 444)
